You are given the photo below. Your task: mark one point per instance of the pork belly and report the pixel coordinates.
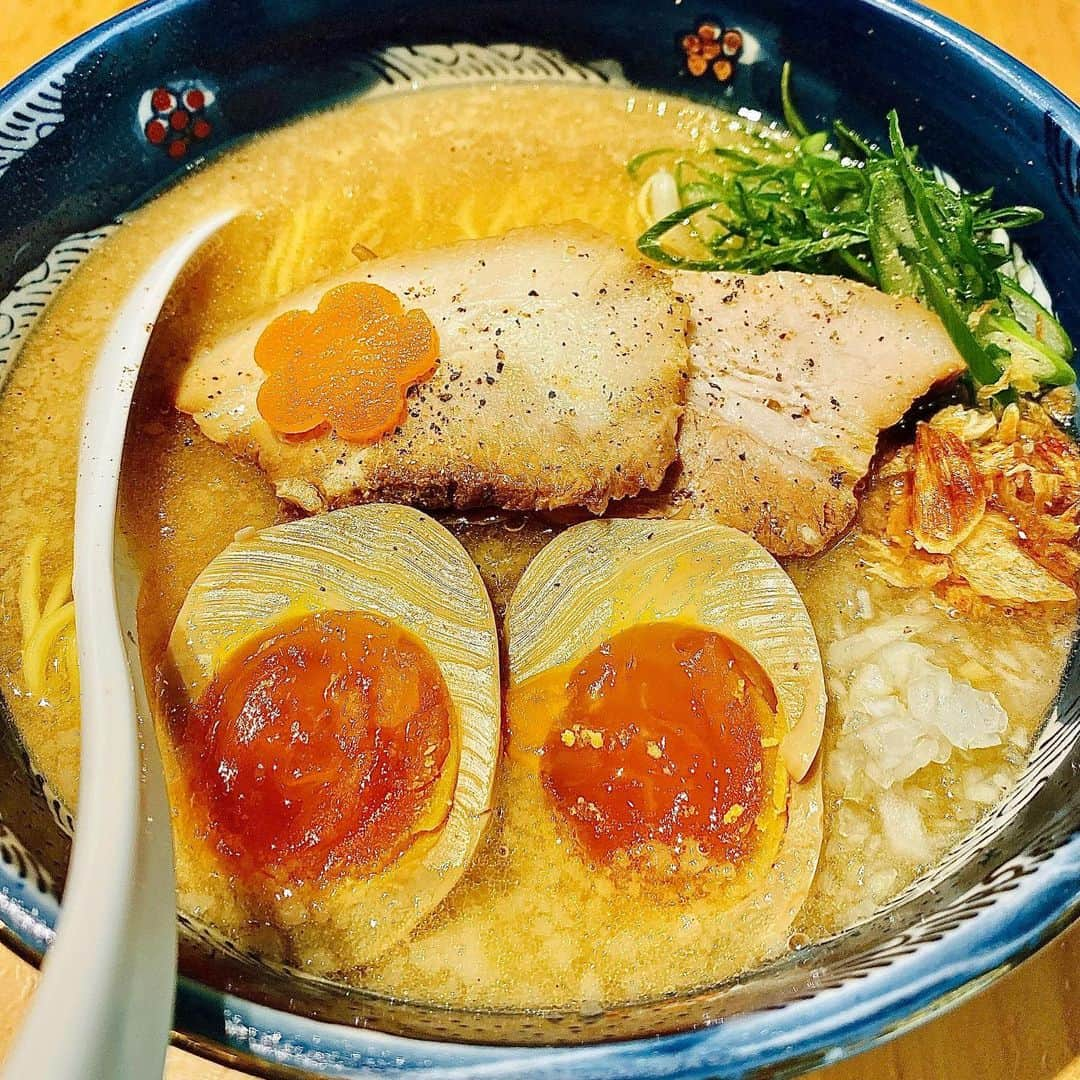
(793, 377)
(560, 382)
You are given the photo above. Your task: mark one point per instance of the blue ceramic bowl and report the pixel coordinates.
(84, 136)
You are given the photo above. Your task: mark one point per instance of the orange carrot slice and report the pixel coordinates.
(347, 365)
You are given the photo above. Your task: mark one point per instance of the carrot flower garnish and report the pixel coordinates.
(347, 365)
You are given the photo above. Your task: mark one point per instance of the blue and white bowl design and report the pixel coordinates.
(1012, 884)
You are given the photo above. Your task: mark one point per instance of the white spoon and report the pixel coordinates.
(104, 1006)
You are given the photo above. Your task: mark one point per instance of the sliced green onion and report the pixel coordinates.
(791, 115)
(1027, 353)
(633, 166)
(1035, 319)
(984, 370)
(891, 234)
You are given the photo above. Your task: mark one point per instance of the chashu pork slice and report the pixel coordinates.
(793, 376)
(561, 379)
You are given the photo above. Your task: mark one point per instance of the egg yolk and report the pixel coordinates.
(316, 748)
(661, 742)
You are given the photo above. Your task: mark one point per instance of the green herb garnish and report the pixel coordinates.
(833, 202)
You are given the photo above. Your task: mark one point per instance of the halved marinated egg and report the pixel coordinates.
(666, 685)
(336, 705)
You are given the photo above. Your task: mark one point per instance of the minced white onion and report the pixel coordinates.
(902, 711)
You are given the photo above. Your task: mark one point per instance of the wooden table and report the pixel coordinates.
(1027, 1026)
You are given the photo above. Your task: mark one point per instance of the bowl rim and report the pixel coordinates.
(862, 1013)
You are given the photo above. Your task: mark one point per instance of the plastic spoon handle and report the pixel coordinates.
(104, 1006)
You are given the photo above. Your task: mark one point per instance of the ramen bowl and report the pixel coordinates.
(90, 133)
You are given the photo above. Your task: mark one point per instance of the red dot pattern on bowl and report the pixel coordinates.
(178, 119)
(712, 48)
